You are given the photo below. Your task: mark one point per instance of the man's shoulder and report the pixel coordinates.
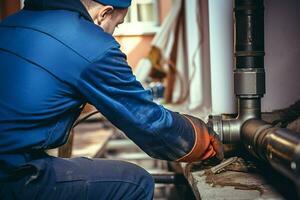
(68, 28)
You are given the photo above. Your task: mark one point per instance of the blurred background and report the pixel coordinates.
(183, 51)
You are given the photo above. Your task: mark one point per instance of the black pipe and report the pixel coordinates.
(249, 33)
(280, 147)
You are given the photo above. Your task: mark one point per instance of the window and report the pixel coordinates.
(142, 18)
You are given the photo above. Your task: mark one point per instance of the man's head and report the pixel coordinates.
(107, 14)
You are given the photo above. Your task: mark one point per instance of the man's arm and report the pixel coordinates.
(111, 87)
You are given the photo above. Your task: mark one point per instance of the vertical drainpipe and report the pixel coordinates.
(221, 56)
(249, 74)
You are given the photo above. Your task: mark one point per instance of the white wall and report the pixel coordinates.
(282, 46)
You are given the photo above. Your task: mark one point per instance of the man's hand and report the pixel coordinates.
(207, 143)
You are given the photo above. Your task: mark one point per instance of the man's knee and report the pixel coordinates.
(141, 177)
(149, 186)
(132, 181)
(130, 174)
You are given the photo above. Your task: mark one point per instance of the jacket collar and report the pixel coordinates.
(71, 5)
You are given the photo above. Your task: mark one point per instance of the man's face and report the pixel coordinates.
(109, 18)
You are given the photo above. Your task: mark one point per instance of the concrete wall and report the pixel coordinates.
(282, 45)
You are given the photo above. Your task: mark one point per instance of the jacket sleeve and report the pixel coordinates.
(110, 86)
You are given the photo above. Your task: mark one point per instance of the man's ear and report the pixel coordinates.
(103, 13)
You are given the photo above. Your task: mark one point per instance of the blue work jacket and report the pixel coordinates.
(52, 62)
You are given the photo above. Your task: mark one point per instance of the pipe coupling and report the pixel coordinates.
(228, 130)
(249, 82)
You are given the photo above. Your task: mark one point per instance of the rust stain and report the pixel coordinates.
(212, 180)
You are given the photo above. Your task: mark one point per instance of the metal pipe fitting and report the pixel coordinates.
(249, 82)
(229, 129)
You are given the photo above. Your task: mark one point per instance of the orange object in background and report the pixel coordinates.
(8, 7)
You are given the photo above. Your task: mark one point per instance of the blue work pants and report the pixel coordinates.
(53, 178)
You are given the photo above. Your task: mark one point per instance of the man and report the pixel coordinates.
(55, 56)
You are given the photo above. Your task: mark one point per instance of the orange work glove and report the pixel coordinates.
(207, 143)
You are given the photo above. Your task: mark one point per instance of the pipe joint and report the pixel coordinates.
(228, 128)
